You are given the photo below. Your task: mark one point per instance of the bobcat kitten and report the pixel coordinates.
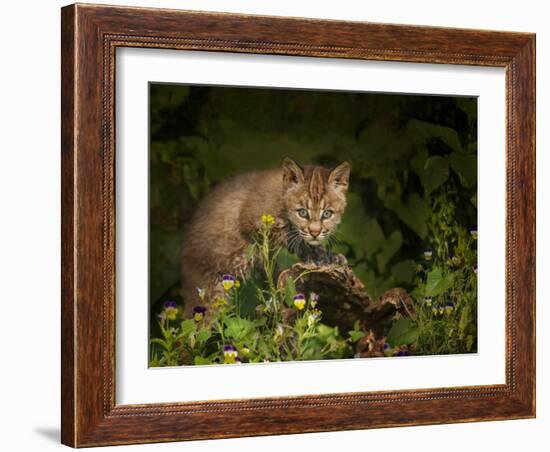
(307, 203)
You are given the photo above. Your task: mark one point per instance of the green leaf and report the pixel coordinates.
(285, 259)
(290, 291)
(327, 332)
(402, 333)
(187, 327)
(376, 285)
(465, 166)
(238, 329)
(423, 131)
(203, 335)
(419, 161)
(404, 271)
(389, 246)
(355, 335)
(414, 212)
(160, 342)
(432, 171)
(359, 231)
(200, 361)
(437, 284)
(249, 253)
(248, 294)
(435, 173)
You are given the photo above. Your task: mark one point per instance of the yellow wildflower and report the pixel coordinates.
(219, 302)
(170, 310)
(300, 301)
(449, 307)
(171, 314)
(228, 282)
(230, 354)
(198, 313)
(268, 219)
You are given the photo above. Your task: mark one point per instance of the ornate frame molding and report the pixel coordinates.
(90, 37)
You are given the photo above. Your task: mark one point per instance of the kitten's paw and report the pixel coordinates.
(322, 261)
(319, 256)
(322, 257)
(338, 259)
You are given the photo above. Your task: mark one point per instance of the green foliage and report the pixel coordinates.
(355, 335)
(290, 291)
(465, 166)
(435, 173)
(446, 284)
(436, 283)
(286, 326)
(423, 132)
(413, 186)
(238, 329)
(413, 212)
(402, 333)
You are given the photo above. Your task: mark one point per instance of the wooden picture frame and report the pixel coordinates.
(90, 36)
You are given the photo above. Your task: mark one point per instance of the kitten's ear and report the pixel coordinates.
(293, 174)
(339, 177)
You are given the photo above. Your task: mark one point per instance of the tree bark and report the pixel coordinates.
(345, 302)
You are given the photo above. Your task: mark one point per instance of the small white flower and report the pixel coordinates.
(161, 316)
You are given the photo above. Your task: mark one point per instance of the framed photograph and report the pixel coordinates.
(282, 225)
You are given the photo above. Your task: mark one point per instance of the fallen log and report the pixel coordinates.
(345, 302)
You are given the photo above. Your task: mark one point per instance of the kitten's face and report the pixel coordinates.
(314, 198)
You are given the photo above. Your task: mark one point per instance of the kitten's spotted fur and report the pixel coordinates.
(307, 203)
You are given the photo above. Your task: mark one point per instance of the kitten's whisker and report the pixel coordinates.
(294, 241)
(335, 240)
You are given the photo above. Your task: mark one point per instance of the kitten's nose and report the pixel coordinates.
(314, 230)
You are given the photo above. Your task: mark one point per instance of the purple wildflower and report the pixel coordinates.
(198, 313)
(228, 281)
(299, 301)
(170, 304)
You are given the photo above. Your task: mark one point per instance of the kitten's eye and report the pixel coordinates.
(327, 214)
(302, 213)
